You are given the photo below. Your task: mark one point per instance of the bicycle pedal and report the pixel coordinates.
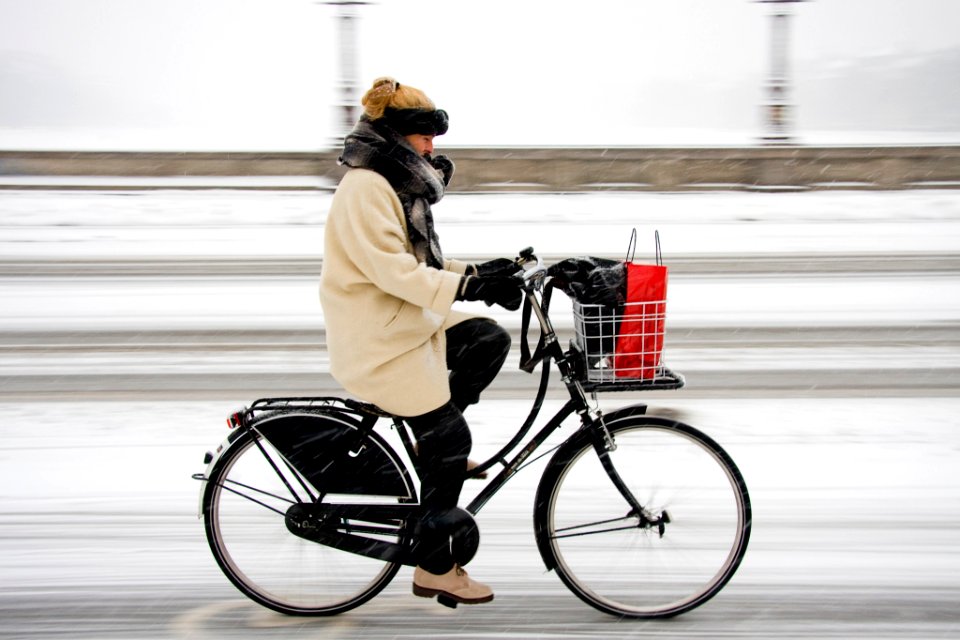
(447, 601)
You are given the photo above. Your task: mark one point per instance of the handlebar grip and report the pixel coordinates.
(527, 253)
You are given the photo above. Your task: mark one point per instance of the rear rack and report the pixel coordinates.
(318, 404)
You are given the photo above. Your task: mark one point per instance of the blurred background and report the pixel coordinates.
(265, 74)
(166, 168)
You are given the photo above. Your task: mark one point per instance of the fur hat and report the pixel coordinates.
(431, 122)
(405, 109)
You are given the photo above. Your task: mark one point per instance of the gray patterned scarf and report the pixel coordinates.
(418, 181)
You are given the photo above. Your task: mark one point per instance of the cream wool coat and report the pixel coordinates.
(386, 313)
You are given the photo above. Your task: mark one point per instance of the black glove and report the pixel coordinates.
(492, 290)
(444, 165)
(497, 267)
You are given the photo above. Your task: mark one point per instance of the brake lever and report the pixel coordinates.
(534, 271)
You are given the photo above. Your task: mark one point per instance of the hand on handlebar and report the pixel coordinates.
(492, 290)
(496, 267)
(534, 271)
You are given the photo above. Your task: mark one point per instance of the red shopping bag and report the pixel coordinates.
(639, 342)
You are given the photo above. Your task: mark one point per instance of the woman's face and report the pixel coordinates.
(422, 144)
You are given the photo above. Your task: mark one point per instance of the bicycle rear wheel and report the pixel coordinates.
(605, 552)
(248, 492)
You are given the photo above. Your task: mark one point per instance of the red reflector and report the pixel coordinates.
(237, 418)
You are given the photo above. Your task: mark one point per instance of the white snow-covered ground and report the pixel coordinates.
(37, 227)
(855, 516)
(215, 223)
(855, 497)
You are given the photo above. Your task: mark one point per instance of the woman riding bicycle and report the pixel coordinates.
(387, 294)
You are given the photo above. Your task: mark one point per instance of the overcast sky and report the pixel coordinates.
(253, 74)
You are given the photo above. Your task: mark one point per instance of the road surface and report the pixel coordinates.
(820, 344)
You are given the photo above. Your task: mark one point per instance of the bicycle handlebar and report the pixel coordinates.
(533, 268)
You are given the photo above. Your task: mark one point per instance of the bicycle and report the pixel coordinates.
(309, 511)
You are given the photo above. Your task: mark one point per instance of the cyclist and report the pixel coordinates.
(387, 294)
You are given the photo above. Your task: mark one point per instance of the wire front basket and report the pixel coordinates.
(623, 346)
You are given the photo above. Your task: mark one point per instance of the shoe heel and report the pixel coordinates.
(423, 592)
(447, 601)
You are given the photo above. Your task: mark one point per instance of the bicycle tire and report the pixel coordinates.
(599, 550)
(266, 562)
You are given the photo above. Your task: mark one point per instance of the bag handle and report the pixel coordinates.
(632, 247)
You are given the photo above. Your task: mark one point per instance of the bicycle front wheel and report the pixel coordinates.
(674, 555)
(248, 493)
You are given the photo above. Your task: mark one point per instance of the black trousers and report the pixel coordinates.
(476, 350)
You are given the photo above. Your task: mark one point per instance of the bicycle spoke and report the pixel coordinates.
(252, 499)
(592, 524)
(590, 533)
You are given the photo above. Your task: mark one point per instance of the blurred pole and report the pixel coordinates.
(778, 108)
(347, 101)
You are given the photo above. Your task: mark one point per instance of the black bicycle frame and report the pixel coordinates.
(516, 463)
(392, 515)
(576, 404)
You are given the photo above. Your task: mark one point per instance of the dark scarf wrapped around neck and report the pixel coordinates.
(418, 181)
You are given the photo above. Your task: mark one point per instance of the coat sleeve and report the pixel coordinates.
(455, 265)
(376, 241)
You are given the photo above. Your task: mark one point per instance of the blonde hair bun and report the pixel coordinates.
(387, 92)
(386, 81)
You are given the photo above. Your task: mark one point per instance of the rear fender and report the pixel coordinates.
(211, 458)
(333, 451)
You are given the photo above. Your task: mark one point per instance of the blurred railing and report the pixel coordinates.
(523, 168)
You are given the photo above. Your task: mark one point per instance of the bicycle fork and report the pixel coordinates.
(604, 444)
